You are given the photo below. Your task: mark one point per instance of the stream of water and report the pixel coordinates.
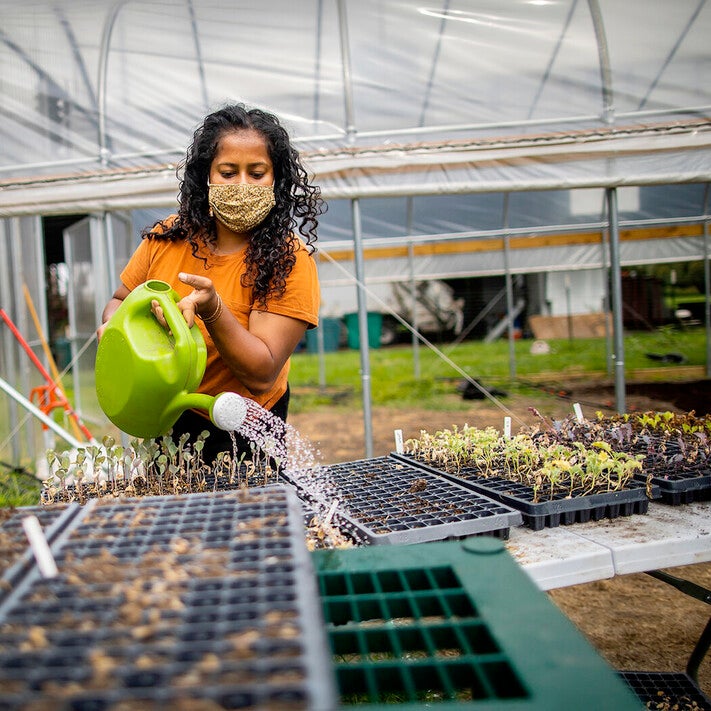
(296, 458)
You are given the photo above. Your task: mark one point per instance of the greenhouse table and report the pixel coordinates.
(665, 537)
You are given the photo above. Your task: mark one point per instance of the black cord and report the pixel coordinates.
(16, 470)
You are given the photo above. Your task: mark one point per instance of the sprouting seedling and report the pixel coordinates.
(162, 465)
(277, 465)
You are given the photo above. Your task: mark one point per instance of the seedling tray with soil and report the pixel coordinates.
(678, 488)
(667, 691)
(168, 601)
(151, 467)
(561, 508)
(390, 501)
(674, 448)
(15, 556)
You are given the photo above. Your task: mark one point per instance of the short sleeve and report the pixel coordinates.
(136, 271)
(302, 296)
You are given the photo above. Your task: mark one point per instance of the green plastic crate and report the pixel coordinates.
(458, 625)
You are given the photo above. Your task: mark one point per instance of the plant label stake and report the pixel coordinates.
(399, 448)
(507, 427)
(40, 547)
(331, 511)
(578, 412)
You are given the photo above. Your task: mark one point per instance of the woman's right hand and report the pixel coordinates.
(203, 300)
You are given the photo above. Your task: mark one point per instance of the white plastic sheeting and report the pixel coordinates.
(427, 112)
(385, 96)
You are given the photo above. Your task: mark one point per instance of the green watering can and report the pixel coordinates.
(146, 376)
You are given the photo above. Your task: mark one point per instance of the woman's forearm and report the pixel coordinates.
(256, 355)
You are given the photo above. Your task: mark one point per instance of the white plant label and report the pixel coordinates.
(40, 547)
(507, 427)
(331, 511)
(399, 445)
(578, 411)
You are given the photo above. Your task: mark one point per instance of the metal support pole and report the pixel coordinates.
(606, 289)
(616, 288)
(415, 321)
(9, 351)
(363, 328)
(568, 307)
(320, 347)
(21, 400)
(413, 293)
(707, 283)
(509, 292)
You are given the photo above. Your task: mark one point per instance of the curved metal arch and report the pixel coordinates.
(347, 71)
(198, 54)
(608, 106)
(104, 141)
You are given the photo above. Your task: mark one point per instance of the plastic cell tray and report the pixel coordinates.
(16, 558)
(455, 624)
(672, 690)
(388, 501)
(240, 479)
(345, 526)
(682, 487)
(549, 513)
(244, 479)
(171, 600)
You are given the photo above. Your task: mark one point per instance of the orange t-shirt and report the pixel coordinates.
(162, 259)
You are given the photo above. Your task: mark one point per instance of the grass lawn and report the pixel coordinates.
(392, 369)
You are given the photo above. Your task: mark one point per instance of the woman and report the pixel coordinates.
(232, 255)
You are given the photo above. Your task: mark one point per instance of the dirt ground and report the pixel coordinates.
(635, 621)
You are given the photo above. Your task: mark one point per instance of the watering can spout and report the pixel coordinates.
(228, 411)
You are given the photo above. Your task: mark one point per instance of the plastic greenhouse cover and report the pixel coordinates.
(428, 114)
(89, 86)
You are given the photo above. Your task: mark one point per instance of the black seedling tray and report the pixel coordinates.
(668, 689)
(390, 501)
(168, 600)
(345, 526)
(681, 487)
(242, 479)
(17, 558)
(549, 513)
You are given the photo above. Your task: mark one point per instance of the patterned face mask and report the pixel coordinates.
(240, 206)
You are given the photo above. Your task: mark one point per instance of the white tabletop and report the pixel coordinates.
(665, 537)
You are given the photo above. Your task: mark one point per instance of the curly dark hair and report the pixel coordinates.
(270, 252)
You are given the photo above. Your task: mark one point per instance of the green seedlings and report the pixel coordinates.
(551, 468)
(153, 467)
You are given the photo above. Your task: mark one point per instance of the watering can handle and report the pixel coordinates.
(177, 324)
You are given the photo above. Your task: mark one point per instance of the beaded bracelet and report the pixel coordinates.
(214, 315)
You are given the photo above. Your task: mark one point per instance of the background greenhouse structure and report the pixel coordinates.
(451, 139)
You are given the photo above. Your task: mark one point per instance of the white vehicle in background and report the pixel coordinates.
(436, 310)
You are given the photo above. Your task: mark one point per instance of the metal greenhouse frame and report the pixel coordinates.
(473, 125)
